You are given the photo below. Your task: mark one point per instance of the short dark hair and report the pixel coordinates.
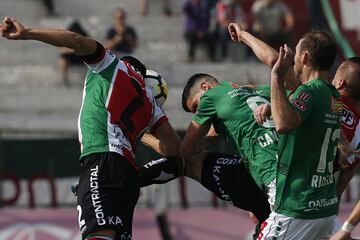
(187, 92)
(322, 49)
(138, 66)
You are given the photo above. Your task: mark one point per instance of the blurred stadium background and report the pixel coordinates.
(38, 119)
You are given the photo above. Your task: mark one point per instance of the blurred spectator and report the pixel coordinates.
(121, 37)
(197, 20)
(67, 56)
(49, 5)
(227, 11)
(273, 22)
(166, 7)
(317, 17)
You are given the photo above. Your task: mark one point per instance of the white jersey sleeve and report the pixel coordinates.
(159, 115)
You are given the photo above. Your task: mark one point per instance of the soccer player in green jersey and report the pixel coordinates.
(309, 127)
(117, 109)
(346, 76)
(230, 108)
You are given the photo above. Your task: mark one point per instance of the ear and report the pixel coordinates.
(341, 84)
(305, 57)
(204, 86)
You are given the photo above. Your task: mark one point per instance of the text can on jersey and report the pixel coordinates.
(158, 86)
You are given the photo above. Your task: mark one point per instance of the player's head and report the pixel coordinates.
(119, 15)
(196, 86)
(316, 51)
(136, 64)
(347, 78)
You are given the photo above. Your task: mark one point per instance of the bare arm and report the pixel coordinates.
(165, 140)
(285, 117)
(265, 53)
(344, 178)
(151, 141)
(353, 220)
(13, 30)
(194, 135)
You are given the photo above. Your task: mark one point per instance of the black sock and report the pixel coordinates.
(160, 171)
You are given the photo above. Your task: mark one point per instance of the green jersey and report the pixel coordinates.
(117, 108)
(305, 182)
(230, 109)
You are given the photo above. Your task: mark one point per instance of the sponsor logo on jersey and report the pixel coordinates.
(336, 106)
(321, 203)
(303, 96)
(348, 118)
(299, 104)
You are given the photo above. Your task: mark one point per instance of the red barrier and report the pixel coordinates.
(42, 176)
(15, 180)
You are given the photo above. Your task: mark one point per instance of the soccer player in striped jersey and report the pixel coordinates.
(117, 109)
(347, 81)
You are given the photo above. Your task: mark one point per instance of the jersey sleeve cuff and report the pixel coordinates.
(96, 57)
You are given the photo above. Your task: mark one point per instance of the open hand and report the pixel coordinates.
(262, 113)
(11, 29)
(285, 60)
(235, 31)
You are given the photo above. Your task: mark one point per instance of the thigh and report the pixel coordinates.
(108, 192)
(226, 176)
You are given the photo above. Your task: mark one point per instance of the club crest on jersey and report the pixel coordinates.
(303, 96)
(299, 104)
(348, 118)
(336, 106)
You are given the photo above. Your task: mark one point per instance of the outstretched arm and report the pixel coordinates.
(194, 135)
(13, 30)
(265, 53)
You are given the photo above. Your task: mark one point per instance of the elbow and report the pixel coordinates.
(272, 58)
(82, 45)
(284, 127)
(287, 124)
(77, 41)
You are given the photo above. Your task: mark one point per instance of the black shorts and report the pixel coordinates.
(226, 176)
(107, 194)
